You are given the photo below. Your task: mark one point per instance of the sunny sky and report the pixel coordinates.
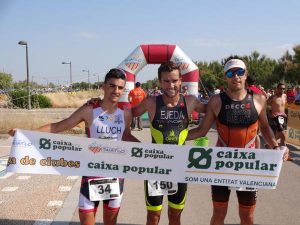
(97, 35)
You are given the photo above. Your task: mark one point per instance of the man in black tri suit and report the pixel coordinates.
(169, 119)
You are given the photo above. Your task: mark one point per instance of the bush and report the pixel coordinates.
(19, 99)
(40, 101)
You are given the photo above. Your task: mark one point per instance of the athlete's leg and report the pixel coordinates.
(219, 213)
(87, 218)
(87, 208)
(247, 204)
(154, 206)
(246, 214)
(139, 123)
(176, 204)
(153, 217)
(111, 207)
(174, 216)
(220, 197)
(110, 216)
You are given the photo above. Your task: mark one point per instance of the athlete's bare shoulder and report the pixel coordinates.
(215, 103)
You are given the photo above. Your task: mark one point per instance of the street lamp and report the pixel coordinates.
(88, 71)
(47, 82)
(70, 63)
(27, 68)
(98, 84)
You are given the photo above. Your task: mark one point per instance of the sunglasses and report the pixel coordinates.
(239, 72)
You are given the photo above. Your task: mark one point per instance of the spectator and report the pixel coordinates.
(135, 96)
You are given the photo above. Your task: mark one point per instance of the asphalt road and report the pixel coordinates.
(28, 199)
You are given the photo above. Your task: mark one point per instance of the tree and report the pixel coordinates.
(261, 67)
(6, 81)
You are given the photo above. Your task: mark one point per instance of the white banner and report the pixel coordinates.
(45, 153)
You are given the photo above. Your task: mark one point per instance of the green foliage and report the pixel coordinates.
(150, 84)
(40, 101)
(19, 99)
(6, 81)
(81, 86)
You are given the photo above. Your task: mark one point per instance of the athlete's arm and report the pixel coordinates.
(266, 131)
(207, 121)
(78, 116)
(143, 107)
(127, 135)
(194, 104)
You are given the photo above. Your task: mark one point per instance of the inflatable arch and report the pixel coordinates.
(157, 54)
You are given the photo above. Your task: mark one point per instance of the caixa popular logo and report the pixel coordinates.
(45, 143)
(62, 145)
(150, 153)
(200, 158)
(22, 143)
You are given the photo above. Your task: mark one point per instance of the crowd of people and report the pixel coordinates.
(173, 97)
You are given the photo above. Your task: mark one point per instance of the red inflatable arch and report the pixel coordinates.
(157, 54)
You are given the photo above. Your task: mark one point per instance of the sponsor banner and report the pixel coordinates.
(293, 136)
(45, 153)
(185, 63)
(134, 62)
(294, 118)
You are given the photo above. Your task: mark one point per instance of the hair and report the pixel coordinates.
(168, 67)
(280, 84)
(137, 84)
(251, 80)
(115, 73)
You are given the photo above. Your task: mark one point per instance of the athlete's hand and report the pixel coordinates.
(12, 132)
(93, 101)
(286, 152)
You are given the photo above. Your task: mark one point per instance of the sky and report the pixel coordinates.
(97, 35)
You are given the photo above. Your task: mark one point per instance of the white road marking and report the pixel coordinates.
(55, 203)
(6, 175)
(64, 188)
(23, 177)
(9, 189)
(43, 222)
(72, 177)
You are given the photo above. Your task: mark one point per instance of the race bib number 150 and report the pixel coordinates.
(156, 188)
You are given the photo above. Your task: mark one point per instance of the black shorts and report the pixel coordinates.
(222, 194)
(176, 201)
(278, 123)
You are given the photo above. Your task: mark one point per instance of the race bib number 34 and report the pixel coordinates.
(156, 188)
(104, 189)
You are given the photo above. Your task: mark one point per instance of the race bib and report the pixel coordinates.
(281, 120)
(242, 189)
(157, 188)
(104, 189)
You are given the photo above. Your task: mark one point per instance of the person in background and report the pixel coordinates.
(185, 90)
(297, 98)
(135, 96)
(278, 117)
(251, 86)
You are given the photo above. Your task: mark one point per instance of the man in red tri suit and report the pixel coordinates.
(237, 113)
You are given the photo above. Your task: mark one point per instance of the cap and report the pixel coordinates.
(232, 63)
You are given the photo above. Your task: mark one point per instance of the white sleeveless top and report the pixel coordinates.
(107, 126)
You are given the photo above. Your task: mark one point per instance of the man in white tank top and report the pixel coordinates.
(106, 121)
